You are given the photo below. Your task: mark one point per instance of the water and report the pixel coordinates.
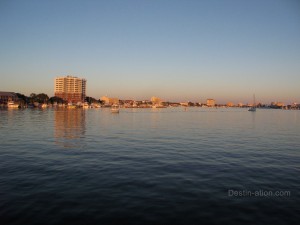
(149, 166)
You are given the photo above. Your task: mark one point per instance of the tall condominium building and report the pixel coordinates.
(71, 89)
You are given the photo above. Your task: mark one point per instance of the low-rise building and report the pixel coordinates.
(109, 101)
(210, 102)
(229, 104)
(185, 104)
(277, 104)
(8, 96)
(156, 100)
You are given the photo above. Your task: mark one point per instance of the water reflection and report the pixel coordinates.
(70, 127)
(253, 115)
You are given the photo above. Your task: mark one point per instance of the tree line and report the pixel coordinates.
(44, 98)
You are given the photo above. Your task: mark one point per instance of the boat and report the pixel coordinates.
(43, 106)
(71, 106)
(115, 108)
(106, 105)
(86, 105)
(12, 104)
(253, 107)
(158, 106)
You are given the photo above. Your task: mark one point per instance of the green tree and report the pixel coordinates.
(23, 98)
(32, 98)
(56, 99)
(91, 100)
(42, 98)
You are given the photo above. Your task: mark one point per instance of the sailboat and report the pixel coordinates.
(115, 108)
(253, 108)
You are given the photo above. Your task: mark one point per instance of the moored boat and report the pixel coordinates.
(12, 104)
(71, 106)
(158, 106)
(115, 108)
(253, 107)
(43, 106)
(86, 105)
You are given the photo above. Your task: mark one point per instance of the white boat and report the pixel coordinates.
(12, 104)
(158, 106)
(86, 105)
(106, 106)
(253, 107)
(44, 106)
(71, 106)
(115, 108)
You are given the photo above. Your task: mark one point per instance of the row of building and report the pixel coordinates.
(73, 90)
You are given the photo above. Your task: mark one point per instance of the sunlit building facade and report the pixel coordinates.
(69, 88)
(109, 101)
(156, 100)
(7, 96)
(229, 104)
(210, 102)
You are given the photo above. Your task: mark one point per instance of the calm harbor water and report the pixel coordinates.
(149, 166)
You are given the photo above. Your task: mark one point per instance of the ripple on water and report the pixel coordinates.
(148, 167)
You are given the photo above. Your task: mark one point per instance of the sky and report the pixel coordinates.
(177, 50)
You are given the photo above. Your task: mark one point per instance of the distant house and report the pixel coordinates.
(277, 104)
(109, 101)
(210, 102)
(8, 96)
(184, 104)
(156, 100)
(229, 104)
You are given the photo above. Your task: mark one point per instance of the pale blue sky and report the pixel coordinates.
(177, 50)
